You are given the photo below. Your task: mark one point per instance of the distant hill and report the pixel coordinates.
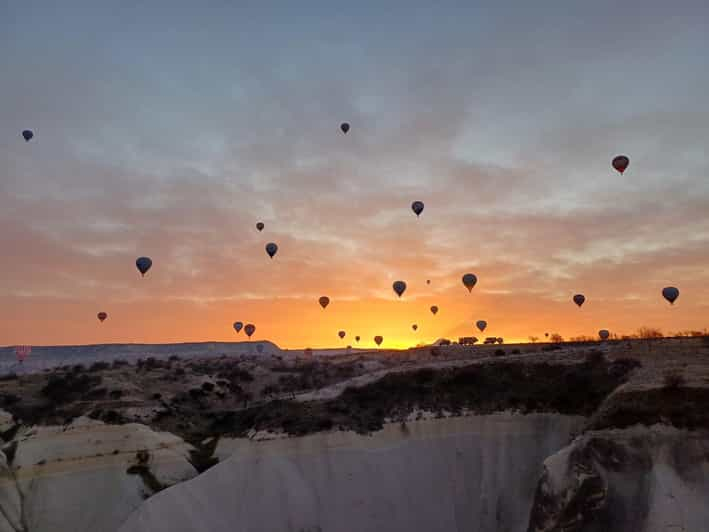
(45, 357)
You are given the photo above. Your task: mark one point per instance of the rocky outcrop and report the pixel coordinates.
(86, 476)
(456, 474)
(644, 479)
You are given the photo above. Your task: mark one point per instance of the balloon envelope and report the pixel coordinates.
(102, 316)
(341, 334)
(238, 326)
(603, 334)
(428, 281)
(345, 127)
(260, 226)
(417, 207)
(469, 281)
(143, 264)
(249, 329)
(579, 299)
(414, 326)
(481, 325)
(399, 287)
(356, 338)
(434, 309)
(271, 249)
(620, 163)
(670, 293)
(324, 301)
(378, 340)
(27, 135)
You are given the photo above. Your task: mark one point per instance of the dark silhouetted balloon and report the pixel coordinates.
(345, 127)
(260, 226)
(469, 281)
(249, 329)
(670, 293)
(428, 281)
(101, 316)
(546, 335)
(357, 339)
(399, 287)
(341, 334)
(27, 135)
(271, 249)
(415, 327)
(603, 334)
(378, 340)
(324, 301)
(482, 324)
(143, 264)
(238, 326)
(434, 309)
(417, 207)
(620, 163)
(579, 299)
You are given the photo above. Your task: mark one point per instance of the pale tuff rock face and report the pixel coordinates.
(642, 479)
(457, 474)
(86, 476)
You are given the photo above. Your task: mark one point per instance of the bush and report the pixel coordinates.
(119, 363)
(516, 352)
(673, 379)
(116, 394)
(157, 396)
(99, 366)
(435, 351)
(500, 352)
(63, 389)
(595, 357)
(207, 386)
(196, 393)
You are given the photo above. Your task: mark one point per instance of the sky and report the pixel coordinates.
(168, 129)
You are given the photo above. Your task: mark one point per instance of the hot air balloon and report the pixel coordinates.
(579, 299)
(603, 334)
(414, 327)
(469, 281)
(482, 324)
(399, 287)
(143, 264)
(238, 326)
(345, 127)
(670, 293)
(357, 339)
(546, 335)
(417, 207)
(341, 334)
(249, 329)
(378, 340)
(434, 310)
(271, 249)
(259, 226)
(324, 301)
(428, 281)
(101, 316)
(620, 163)
(27, 135)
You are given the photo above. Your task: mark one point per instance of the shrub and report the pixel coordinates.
(99, 366)
(673, 379)
(499, 352)
(516, 352)
(207, 386)
(196, 393)
(62, 389)
(595, 357)
(119, 363)
(115, 394)
(157, 396)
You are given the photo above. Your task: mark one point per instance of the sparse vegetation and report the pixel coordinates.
(673, 379)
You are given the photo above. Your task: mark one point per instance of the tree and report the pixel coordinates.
(534, 339)
(556, 338)
(649, 332)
